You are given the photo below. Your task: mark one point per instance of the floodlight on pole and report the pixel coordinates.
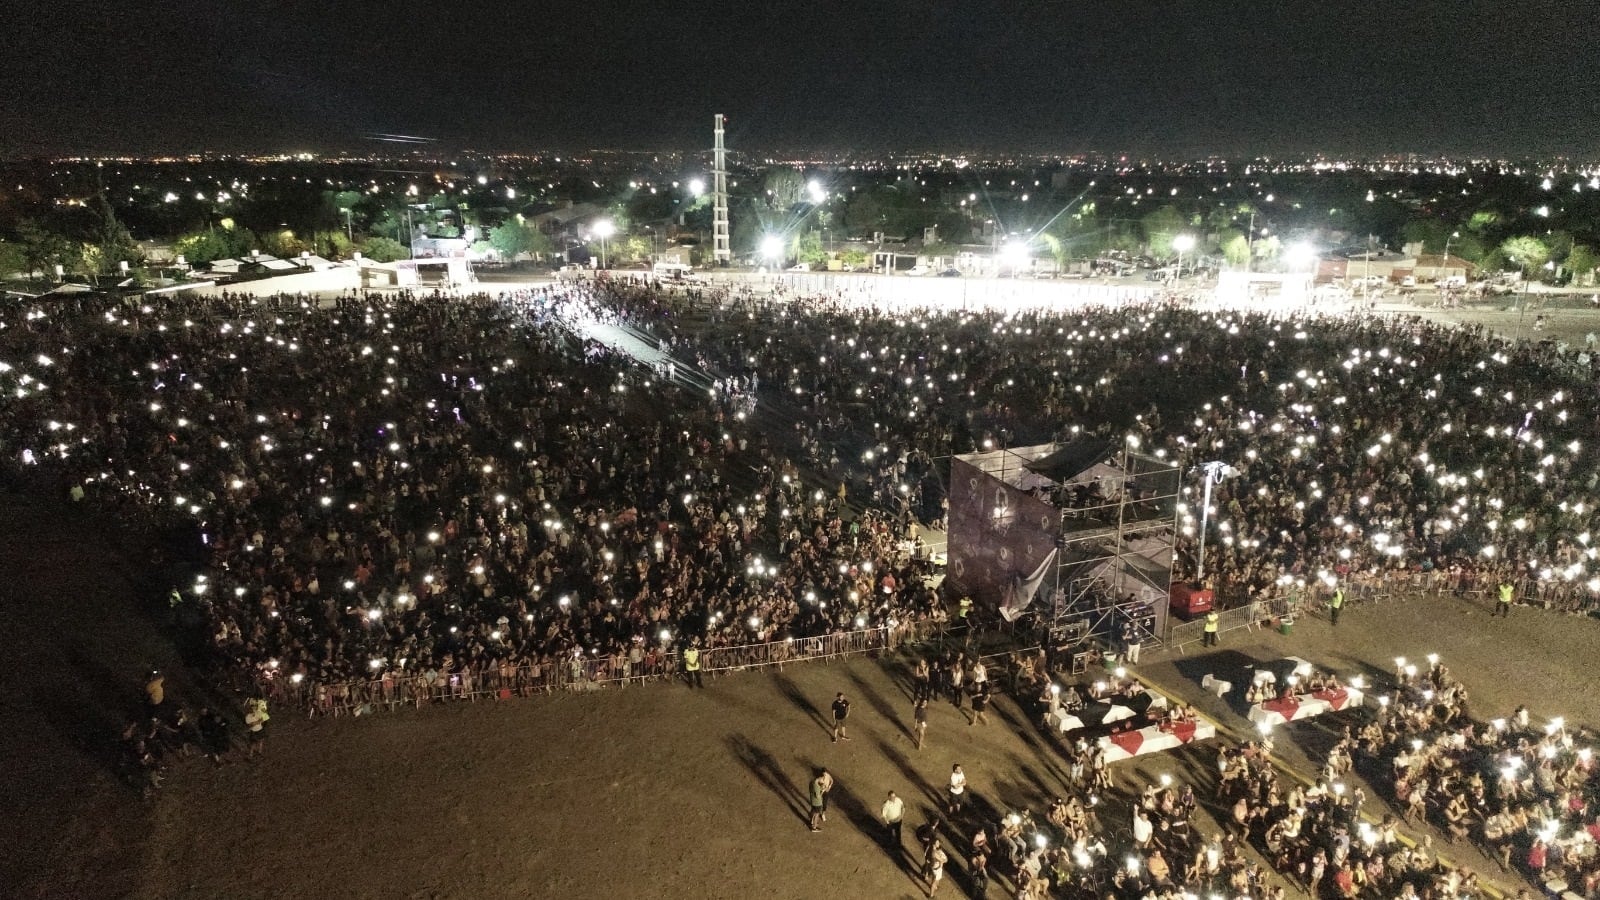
(1300, 255)
(1182, 243)
(604, 228)
(697, 187)
(1015, 255)
(817, 192)
(772, 247)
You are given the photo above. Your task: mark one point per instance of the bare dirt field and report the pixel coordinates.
(652, 790)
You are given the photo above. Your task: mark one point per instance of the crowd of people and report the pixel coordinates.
(1107, 836)
(1522, 790)
(390, 483)
(404, 484)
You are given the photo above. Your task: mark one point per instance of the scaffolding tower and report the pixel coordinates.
(1077, 535)
(722, 248)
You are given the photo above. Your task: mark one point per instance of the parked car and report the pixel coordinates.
(918, 271)
(950, 273)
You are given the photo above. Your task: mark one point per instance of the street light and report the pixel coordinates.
(604, 228)
(1182, 243)
(697, 187)
(1444, 264)
(772, 248)
(1015, 255)
(349, 230)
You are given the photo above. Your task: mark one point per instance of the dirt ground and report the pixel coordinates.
(654, 789)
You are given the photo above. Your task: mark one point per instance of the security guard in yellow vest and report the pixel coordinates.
(1502, 606)
(1213, 621)
(1336, 604)
(691, 665)
(962, 608)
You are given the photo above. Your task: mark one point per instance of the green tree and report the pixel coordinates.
(784, 188)
(335, 244)
(113, 242)
(1581, 261)
(202, 247)
(634, 248)
(1468, 246)
(43, 250)
(1235, 247)
(382, 249)
(1160, 227)
(808, 248)
(1430, 233)
(1525, 251)
(1483, 220)
(1268, 248)
(283, 243)
(511, 239)
(865, 213)
(12, 259)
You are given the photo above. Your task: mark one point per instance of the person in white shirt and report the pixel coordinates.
(1142, 829)
(894, 810)
(958, 788)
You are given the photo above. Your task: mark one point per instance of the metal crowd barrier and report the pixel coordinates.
(575, 673)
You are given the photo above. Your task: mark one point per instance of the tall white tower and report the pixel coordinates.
(722, 251)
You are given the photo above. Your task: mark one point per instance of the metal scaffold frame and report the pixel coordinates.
(1110, 513)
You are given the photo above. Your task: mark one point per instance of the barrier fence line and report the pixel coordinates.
(1558, 595)
(576, 673)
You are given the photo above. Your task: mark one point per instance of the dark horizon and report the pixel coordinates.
(1182, 79)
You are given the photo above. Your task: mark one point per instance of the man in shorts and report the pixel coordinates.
(841, 711)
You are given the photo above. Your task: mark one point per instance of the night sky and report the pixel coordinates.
(1190, 77)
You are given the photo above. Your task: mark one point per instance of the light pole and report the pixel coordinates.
(349, 230)
(605, 228)
(772, 249)
(1215, 472)
(1015, 255)
(1444, 264)
(1182, 243)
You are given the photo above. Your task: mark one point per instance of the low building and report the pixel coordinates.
(1431, 268)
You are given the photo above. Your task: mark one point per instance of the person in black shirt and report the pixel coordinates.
(980, 703)
(841, 711)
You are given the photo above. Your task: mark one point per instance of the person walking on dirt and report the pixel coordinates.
(1212, 622)
(1502, 605)
(1336, 604)
(819, 793)
(980, 703)
(919, 723)
(978, 874)
(920, 680)
(936, 868)
(255, 721)
(841, 712)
